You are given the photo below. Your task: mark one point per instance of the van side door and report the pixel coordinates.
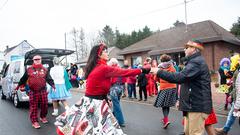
(18, 71)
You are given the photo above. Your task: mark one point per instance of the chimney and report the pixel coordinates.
(7, 47)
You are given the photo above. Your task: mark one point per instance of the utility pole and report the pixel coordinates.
(185, 3)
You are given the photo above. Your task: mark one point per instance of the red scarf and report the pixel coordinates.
(37, 66)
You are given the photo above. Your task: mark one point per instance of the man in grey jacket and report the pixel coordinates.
(195, 94)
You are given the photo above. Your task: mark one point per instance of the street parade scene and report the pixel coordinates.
(155, 68)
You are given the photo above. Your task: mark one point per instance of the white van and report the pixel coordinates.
(15, 70)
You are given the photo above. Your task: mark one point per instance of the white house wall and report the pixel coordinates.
(20, 50)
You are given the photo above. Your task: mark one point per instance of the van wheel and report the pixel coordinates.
(2, 95)
(16, 101)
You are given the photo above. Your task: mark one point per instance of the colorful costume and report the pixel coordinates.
(37, 76)
(92, 114)
(62, 83)
(167, 95)
(224, 77)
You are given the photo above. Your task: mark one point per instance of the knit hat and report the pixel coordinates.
(223, 60)
(195, 43)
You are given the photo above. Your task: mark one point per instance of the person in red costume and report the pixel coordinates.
(37, 76)
(92, 115)
(150, 85)
(154, 78)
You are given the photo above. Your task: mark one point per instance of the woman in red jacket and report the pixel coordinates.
(92, 115)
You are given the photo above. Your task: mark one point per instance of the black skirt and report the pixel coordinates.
(166, 98)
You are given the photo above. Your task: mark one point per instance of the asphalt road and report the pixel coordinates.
(141, 119)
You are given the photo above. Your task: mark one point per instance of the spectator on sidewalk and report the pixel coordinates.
(235, 96)
(167, 95)
(224, 76)
(150, 82)
(125, 66)
(142, 84)
(73, 75)
(195, 93)
(80, 77)
(131, 85)
(155, 79)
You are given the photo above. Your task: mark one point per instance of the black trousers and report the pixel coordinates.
(144, 90)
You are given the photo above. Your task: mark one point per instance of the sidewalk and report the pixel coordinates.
(218, 100)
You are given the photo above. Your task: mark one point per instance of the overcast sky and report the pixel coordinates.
(43, 22)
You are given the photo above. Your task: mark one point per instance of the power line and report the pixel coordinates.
(185, 5)
(172, 6)
(4, 4)
(159, 10)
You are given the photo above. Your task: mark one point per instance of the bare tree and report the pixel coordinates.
(83, 49)
(96, 39)
(77, 41)
(74, 33)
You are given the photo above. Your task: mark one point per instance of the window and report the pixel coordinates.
(136, 60)
(17, 67)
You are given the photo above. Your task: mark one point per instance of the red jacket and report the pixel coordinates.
(118, 79)
(99, 80)
(37, 76)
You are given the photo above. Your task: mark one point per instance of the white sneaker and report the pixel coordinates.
(57, 123)
(55, 114)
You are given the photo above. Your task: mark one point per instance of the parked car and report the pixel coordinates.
(15, 70)
(1, 68)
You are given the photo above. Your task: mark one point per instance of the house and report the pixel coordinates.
(17, 51)
(113, 53)
(218, 43)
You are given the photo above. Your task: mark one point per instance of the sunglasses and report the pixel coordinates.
(36, 59)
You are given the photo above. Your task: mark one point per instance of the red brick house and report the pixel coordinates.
(218, 43)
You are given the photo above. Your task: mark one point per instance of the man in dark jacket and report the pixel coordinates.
(195, 93)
